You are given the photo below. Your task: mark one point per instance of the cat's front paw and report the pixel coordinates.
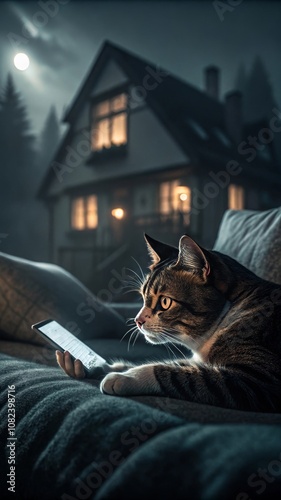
(113, 383)
(134, 382)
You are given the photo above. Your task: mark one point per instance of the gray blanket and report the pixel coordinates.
(75, 443)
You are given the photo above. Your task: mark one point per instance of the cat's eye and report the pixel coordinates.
(165, 302)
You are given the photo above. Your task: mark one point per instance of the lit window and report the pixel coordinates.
(235, 197)
(84, 213)
(174, 197)
(109, 126)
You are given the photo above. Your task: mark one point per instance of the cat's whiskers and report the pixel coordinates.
(128, 331)
(136, 337)
(169, 349)
(132, 282)
(167, 334)
(142, 277)
(132, 286)
(130, 319)
(178, 349)
(136, 333)
(134, 278)
(132, 331)
(168, 346)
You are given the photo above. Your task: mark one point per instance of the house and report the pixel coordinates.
(147, 152)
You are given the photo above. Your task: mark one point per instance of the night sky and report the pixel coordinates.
(182, 37)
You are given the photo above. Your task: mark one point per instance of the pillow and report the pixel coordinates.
(31, 292)
(253, 239)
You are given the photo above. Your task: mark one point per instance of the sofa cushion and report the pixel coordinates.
(253, 239)
(32, 291)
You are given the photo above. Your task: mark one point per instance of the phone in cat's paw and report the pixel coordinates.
(73, 356)
(75, 369)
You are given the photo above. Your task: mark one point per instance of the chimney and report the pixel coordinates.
(212, 81)
(233, 115)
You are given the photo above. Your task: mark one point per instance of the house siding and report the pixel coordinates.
(150, 147)
(112, 76)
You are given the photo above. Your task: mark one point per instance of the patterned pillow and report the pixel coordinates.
(31, 292)
(253, 239)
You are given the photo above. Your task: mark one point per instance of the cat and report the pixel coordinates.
(226, 315)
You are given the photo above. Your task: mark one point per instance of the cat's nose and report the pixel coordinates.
(139, 319)
(139, 323)
(142, 316)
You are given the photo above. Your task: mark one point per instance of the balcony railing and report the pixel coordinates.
(174, 221)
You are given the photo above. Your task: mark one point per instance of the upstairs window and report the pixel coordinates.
(84, 213)
(109, 123)
(235, 197)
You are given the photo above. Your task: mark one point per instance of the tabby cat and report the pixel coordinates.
(227, 316)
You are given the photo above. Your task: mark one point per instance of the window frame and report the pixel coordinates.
(124, 89)
(238, 194)
(84, 197)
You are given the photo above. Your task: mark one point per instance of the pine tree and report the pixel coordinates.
(49, 138)
(259, 98)
(241, 79)
(17, 145)
(22, 217)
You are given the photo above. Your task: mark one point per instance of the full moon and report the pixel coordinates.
(21, 61)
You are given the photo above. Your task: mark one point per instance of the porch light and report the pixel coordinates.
(183, 196)
(118, 213)
(183, 192)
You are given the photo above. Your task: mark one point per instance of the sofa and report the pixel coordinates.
(63, 439)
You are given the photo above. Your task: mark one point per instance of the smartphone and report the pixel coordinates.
(63, 340)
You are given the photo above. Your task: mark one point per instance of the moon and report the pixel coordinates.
(21, 61)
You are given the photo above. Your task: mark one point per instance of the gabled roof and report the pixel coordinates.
(194, 119)
(190, 115)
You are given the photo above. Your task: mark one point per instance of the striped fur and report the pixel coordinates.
(226, 315)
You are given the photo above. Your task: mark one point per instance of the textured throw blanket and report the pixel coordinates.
(75, 443)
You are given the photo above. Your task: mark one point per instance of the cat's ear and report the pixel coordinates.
(192, 257)
(159, 251)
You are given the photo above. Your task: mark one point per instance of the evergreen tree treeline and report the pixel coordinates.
(22, 165)
(257, 91)
(258, 97)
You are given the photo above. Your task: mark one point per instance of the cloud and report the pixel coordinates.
(29, 28)
(52, 52)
